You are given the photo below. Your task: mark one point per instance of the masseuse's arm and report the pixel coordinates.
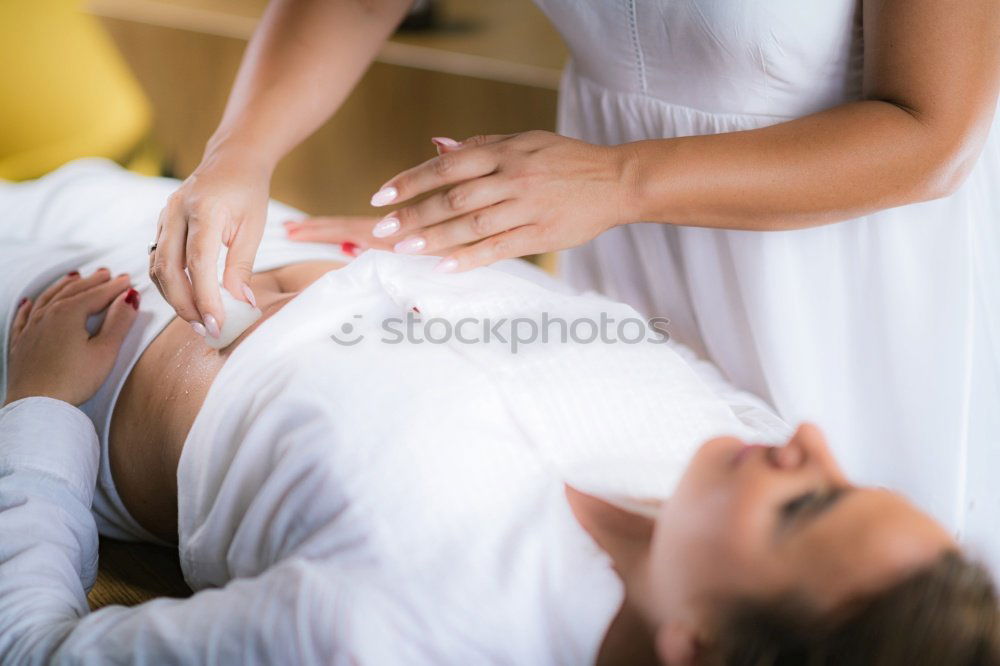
(301, 64)
(931, 73)
(49, 455)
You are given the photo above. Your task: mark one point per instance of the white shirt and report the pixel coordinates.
(370, 503)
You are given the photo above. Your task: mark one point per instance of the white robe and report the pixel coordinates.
(368, 503)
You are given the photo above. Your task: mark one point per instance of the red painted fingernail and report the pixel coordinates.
(349, 248)
(132, 298)
(73, 274)
(23, 301)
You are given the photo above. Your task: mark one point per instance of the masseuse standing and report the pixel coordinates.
(821, 177)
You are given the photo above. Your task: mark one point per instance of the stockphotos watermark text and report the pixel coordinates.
(513, 332)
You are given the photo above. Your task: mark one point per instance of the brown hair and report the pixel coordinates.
(945, 614)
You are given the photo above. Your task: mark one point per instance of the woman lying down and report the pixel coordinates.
(342, 494)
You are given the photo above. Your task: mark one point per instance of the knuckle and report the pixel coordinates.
(456, 198)
(477, 140)
(481, 223)
(202, 303)
(407, 216)
(444, 164)
(500, 247)
(241, 266)
(158, 270)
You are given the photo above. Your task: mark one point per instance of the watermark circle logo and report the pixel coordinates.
(348, 334)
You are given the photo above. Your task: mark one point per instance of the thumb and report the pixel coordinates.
(117, 322)
(239, 263)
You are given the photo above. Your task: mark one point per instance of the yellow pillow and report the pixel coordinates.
(65, 91)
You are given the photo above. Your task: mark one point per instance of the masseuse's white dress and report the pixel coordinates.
(885, 329)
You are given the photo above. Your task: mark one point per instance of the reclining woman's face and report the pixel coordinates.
(759, 522)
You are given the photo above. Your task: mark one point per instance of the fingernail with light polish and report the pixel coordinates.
(410, 245)
(384, 196)
(446, 266)
(198, 328)
(385, 227)
(249, 294)
(212, 326)
(445, 142)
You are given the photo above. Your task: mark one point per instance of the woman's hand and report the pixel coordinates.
(352, 232)
(51, 352)
(224, 202)
(506, 196)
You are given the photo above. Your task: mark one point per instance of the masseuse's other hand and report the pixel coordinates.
(352, 232)
(224, 202)
(51, 352)
(506, 196)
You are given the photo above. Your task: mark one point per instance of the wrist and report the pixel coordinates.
(231, 148)
(628, 170)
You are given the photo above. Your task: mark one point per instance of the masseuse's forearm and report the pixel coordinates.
(831, 166)
(930, 81)
(300, 65)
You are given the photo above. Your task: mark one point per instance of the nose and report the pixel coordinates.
(808, 447)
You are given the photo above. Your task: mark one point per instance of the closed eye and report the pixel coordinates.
(808, 506)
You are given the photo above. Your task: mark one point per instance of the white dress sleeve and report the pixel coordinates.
(296, 612)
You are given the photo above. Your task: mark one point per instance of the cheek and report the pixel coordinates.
(727, 524)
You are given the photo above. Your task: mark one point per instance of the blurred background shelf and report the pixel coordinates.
(490, 67)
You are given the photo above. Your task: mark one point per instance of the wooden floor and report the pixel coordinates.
(131, 573)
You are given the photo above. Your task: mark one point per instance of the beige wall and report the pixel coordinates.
(509, 56)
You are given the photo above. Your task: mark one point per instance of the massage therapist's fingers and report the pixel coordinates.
(239, 262)
(204, 243)
(445, 169)
(462, 230)
(446, 144)
(166, 263)
(517, 242)
(122, 311)
(444, 205)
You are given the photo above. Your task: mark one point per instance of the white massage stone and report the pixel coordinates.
(240, 315)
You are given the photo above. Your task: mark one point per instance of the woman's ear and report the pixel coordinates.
(677, 644)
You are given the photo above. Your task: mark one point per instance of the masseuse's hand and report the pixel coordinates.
(506, 196)
(224, 202)
(51, 352)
